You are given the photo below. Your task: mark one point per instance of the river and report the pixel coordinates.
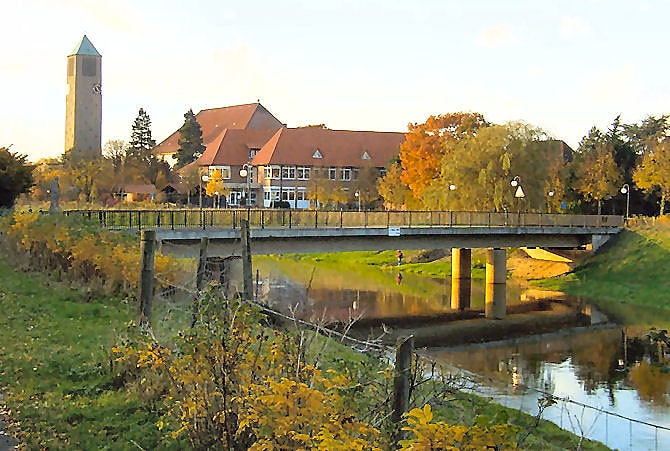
(598, 385)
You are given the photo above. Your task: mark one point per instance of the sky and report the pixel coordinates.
(561, 65)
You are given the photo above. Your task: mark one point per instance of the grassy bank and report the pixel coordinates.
(55, 367)
(58, 387)
(628, 277)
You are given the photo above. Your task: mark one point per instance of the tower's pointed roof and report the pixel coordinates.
(85, 48)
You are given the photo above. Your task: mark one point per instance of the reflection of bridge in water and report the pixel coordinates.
(311, 231)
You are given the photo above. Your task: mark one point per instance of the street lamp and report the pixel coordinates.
(358, 198)
(625, 189)
(246, 172)
(205, 179)
(551, 196)
(218, 200)
(452, 187)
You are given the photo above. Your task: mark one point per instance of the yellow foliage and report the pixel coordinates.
(441, 436)
(85, 251)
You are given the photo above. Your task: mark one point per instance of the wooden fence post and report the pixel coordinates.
(246, 260)
(199, 277)
(401, 382)
(146, 288)
(202, 260)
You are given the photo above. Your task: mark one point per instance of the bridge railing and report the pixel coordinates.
(230, 218)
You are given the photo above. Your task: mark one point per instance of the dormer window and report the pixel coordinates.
(365, 156)
(317, 154)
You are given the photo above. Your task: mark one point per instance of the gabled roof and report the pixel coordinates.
(232, 147)
(85, 47)
(215, 121)
(297, 146)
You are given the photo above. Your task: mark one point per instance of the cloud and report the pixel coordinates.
(499, 36)
(574, 27)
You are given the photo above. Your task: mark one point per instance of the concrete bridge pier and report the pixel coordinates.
(461, 278)
(496, 278)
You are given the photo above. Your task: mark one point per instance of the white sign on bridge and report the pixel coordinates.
(394, 231)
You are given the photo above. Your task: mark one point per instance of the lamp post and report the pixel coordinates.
(205, 179)
(516, 183)
(246, 172)
(551, 196)
(358, 198)
(625, 189)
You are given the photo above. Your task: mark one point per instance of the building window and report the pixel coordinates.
(332, 173)
(272, 172)
(302, 172)
(317, 154)
(345, 174)
(288, 172)
(288, 194)
(382, 172)
(301, 194)
(252, 152)
(354, 173)
(225, 171)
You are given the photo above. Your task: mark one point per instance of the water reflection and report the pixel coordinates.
(586, 366)
(335, 295)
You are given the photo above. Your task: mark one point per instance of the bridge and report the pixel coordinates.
(180, 232)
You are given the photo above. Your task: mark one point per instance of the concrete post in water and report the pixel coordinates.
(496, 279)
(246, 261)
(146, 289)
(461, 278)
(401, 381)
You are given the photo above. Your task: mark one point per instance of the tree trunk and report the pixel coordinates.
(600, 203)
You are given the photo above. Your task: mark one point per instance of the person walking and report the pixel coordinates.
(399, 257)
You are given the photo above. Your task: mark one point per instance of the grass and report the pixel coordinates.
(628, 278)
(55, 369)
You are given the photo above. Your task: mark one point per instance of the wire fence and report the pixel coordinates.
(585, 421)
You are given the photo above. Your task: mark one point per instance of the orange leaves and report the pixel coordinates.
(425, 146)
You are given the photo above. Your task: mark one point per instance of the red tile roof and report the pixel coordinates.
(296, 146)
(215, 121)
(232, 147)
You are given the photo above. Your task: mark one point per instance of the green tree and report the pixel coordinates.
(482, 165)
(365, 185)
(654, 171)
(597, 174)
(392, 189)
(141, 142)
(190, 140)
(16, 176)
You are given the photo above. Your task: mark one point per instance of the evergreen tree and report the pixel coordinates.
(16, 177)
(190, 140)
(141, 142)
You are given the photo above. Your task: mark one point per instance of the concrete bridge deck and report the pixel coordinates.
(307, 231)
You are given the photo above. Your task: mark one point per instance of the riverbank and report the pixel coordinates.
(628, 278)
(60, 393)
